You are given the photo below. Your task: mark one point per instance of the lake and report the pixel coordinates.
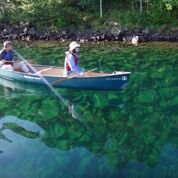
(131, 133)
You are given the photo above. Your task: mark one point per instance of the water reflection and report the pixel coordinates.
(167, 166)
(21, 127)
(29, 156)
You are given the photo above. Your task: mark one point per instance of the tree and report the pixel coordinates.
(101, 8)
(1, 12)
(141, 6)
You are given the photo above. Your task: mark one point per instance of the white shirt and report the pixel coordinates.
(69, 59)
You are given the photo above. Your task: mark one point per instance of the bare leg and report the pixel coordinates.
(21, 65)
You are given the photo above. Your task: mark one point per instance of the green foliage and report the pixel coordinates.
(57, 14)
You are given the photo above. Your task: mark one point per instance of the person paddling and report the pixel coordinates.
(71, 60)
(6, 59)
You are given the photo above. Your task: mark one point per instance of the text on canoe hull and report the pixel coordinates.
(124, 78)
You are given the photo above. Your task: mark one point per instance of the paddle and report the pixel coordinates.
(68, 78)
(43, 70)
(67, 104)
(42, 78)
(99, 61)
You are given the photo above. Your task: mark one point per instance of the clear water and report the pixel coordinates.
(123, 134)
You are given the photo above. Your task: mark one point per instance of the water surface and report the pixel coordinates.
(130, 134)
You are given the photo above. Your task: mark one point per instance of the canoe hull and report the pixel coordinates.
(112, 82)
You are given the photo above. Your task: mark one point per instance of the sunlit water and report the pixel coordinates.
(122, 134)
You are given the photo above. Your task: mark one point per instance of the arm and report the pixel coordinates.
(72, 65)
(2, 55)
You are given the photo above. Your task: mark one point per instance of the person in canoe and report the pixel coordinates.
(71, 60)
(7, 61)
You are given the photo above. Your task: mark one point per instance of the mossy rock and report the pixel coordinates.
(175, 101)
(49, 109)
(146, 96)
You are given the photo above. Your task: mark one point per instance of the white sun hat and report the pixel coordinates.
(73, 45)
(6, 43)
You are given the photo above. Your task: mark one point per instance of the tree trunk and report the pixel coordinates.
(147, 6)
(101, 9)
(133, 8)
(141, 6)
(161, 6)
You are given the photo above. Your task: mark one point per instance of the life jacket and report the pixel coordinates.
(67, 67)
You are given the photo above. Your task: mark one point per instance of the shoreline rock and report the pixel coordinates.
(26, 32)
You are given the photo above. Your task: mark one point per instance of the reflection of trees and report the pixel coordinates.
(130, 124)
(20, 130)
(16, 128)
(14, 125)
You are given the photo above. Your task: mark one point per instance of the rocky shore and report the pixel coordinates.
(26, 32)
